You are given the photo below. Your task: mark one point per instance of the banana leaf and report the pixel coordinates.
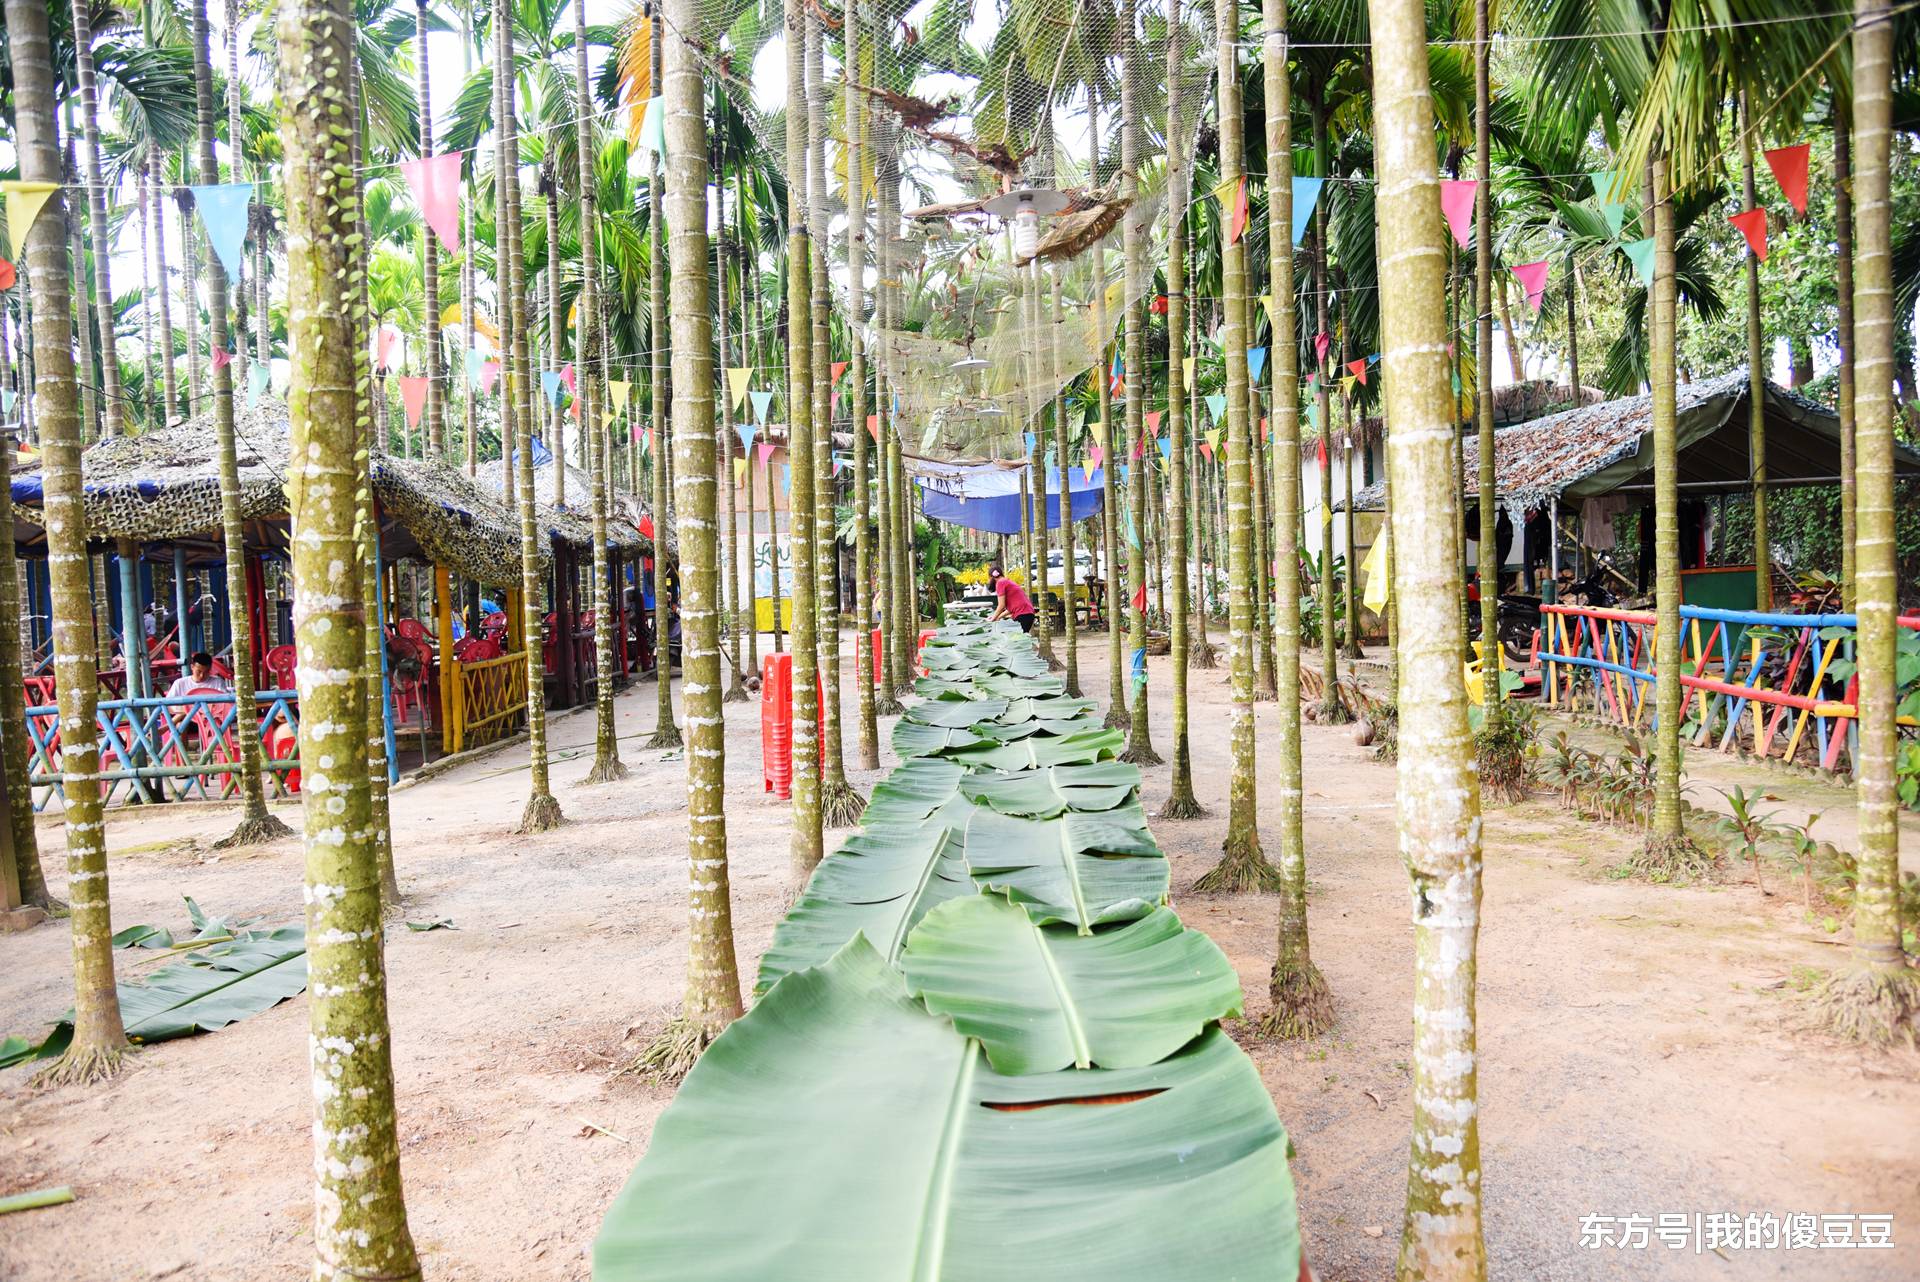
(912, 739)
(1042, 998)
(955, 714)
(1044, 708)
(916, 789)
(880, 884)
(840, 1133)
(1001, 732)
(1051, 790)
(1081, 747)
(1084, 870)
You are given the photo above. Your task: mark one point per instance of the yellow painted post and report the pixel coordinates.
(449, 666)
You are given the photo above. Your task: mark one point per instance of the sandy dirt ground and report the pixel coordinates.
(1644, 1049)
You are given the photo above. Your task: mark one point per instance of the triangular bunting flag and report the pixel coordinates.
(1031, 439)
(833, 405)
(489, 375)
(567, 377)
(24, 202)
(873, 427)
(550, 385)
(737, 380)
(1347, 384)
(1789, 165)
(1126, 473)
(388, 342)
(746, 432)
(1094, 455)
(1166, 447)
(617, 390)
(1256, 362)
(1533, 279)
(7, 397)
(1320, 451)
(8, 275)
(1306, 194)
(474, 361)
(761, 401)
(786, 479)
(1206, 448)
(1358, 370)
(1153, 421)
(739, 470)
(1640, 254)
(766, 452)
(223, 210)
(257, 377)
(413, 395)
(653, 127)
(1232, 196)
(1099, 430)
(839, 368)
(1321, 342)
(1456, 202)
(1273, 315)
(1753, 225)
(1217, 406)
(222, 358)
(1213, 437)
(1139, 444)
(1614, 211)
(435, 182)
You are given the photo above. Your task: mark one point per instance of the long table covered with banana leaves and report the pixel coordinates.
(983, 1048)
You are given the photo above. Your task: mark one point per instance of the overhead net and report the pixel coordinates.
(954, 107)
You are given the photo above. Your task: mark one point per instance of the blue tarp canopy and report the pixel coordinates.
(986, 496)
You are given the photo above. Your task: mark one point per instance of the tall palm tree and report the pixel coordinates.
(1180, 803)
(26, 877)
(665, 733)
(1332, 710)
(1843, 331)
(1302, 1004)
(542, 811)
(1877, 997)
(1488, 535)
(99, 1039)
(1119, 713)
(854, 119)
(360, 1221)
(712, 998)
(114, 407)
(590, 343)
(800, 430)
(256, 823)
(1439, 797)
(434, 410)
(1134, 230)
(1243, 866)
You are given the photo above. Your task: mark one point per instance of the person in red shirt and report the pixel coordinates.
(1014, 604)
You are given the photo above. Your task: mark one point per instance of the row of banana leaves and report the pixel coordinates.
(982, 1047)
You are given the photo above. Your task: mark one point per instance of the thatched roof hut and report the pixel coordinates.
(163, 486)
(1514, 403)
(1606, 448)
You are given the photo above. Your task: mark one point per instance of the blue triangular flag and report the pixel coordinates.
(1306, 194)
(223, 209)
(550, 384)
(256, 382)
(761, 400)
(746, 431)
(1133, 531)
(1048, 459)
(1256, 361)
(474, 361)
(1217, 406)
(1030, 439)
(1166, 447)
(1374, 359)
(786, 479)
(1126, 473)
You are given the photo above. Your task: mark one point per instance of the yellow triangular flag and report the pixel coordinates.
(1099, 431)
(739, 469)
(24, 201)
(1191, 363)
(1114, 293)
(1374, 596)
(737, 380)
(1224, 192)
(607, 415)
(1348, 383)
(1266, 301)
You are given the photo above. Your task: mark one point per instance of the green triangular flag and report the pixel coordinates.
(1614, 211)
(1640, 254)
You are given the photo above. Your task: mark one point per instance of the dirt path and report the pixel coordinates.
(1640, 1045)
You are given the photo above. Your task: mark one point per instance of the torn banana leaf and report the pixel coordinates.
(916, 789)
(1051, 790)
(1084, 870)
(840, 1133)
(912, 739)
(1043, 998)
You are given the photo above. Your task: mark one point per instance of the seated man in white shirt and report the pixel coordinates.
(198, 678)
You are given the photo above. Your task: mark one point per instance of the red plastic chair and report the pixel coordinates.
(282, 664)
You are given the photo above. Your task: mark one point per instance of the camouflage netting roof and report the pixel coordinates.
(1514, 403)
(574, 520)
(1597, 449)
(163, 486)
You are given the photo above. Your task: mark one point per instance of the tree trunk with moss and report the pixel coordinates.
(1133, 239)
(1069, 573)
(32, 882)
(712, 999)
(590, 346)
(1331, 710)
(1302, 1004)
(435, 409)
(542, 811)
(806, 700)
(1243, 866)
(1489, 535)
(665, 733)
(1756, 387)
(1843, 334)
(99, 1040)
(1180, 803)
(1438, 796)
(360, 1222)
(1119, 715)
(855, 124)
(724, 435)
(1876, 997)
(256, 823)
(113, 407)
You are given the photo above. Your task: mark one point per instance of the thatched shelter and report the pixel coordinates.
(163, 487)
(1512, 404)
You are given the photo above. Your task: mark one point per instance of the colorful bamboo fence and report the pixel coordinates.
(490, 700)
(1751, 681)
(176, 749)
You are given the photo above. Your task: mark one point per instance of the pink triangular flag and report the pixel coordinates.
(1153, 422)
(1207, 450)
(873, 426)
(1321, 342)
(833, 406)
(389, 339)
(489, 375)
(1753, 225)
(222, 358)
(1533, 279)
(435, 182)
(1789, 165)
(567, 377)
(1456, 202)
(1095, 454)
(766, 452)
(413, 395)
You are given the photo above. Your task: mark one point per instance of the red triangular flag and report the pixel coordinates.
(1359, 370)
(1789, 165)
(1137, 443)
(1320, 451)
(413, 395)
(1753, 225)
(7, 275)
(1321, 342)
(873, 426)
(1140, 598)
(1207, 450)
(1237, 225)
(1153, 422)
(1266, 430)
(839, 368)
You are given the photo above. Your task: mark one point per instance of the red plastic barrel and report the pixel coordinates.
(776, 725)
